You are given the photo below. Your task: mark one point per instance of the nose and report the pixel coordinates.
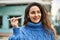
(36, 14)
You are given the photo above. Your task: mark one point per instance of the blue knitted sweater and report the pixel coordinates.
(31, 31)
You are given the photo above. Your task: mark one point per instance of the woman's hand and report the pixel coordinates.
(14, 22)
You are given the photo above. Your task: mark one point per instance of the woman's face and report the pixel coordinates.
(34, 14)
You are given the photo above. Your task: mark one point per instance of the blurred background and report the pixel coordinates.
(16, 8)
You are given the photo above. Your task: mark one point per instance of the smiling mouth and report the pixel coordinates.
(35, 18)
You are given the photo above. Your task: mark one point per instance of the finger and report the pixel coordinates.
(11, 19)
(15, 18)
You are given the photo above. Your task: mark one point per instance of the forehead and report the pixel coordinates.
(34, 8)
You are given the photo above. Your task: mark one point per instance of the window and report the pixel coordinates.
(0, 21)
(18, 20)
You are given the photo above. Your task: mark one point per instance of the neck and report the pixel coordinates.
(34, 22)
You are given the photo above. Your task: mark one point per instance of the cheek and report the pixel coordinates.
(40, 15)
(31, 16)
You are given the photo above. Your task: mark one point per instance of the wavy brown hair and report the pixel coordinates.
(44, 18)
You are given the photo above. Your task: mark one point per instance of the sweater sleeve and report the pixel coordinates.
(15, 35)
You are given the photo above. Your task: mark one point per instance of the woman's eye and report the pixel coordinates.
(33, 12)
(38, 11)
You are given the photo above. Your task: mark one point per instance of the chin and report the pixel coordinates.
(36, 22)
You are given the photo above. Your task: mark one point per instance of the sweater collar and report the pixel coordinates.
(34, 25)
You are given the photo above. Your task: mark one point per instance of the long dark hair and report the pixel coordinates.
(44, 18)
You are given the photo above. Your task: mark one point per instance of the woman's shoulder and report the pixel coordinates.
(50, 32)
(22, 27)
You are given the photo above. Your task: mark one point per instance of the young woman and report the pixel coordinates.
(36, 25)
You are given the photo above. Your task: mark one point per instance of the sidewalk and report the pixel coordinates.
(3, 38)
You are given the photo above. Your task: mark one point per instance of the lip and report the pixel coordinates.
(35, 18)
